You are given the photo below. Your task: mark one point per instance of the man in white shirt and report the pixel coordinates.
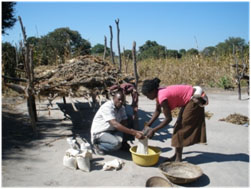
(109, 125)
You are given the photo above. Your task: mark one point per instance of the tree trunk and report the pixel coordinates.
(239, 88)
(30, 104)
(135, 65)
(111, 45)
(30, 75)
(33, 99)
(237, 74)
(105, 49)
(118, 31)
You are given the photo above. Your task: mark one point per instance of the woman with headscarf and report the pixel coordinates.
(190, 127)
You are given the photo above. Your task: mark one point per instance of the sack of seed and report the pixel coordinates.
(69, 159)
(84, 160)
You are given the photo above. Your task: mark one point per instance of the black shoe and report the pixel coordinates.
(97, 150)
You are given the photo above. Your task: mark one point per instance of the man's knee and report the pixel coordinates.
(115, 145)
(110, 146)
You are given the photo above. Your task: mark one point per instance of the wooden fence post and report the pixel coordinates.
(30, 75)
(125, 60)
(135, 65)
(111, 45)
(33, 99)
(237, 73)
(104, 56)
(118, 31)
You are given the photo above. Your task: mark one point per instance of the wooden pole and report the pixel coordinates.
(33, 99)
(30, 74)
(135, 65)
(105, 45)
(125, 60)
(237, 73)
(118, 31)
(111, 45)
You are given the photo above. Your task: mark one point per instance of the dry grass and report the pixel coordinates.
(236, 119)
(196, 70)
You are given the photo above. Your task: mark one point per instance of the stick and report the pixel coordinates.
(111, 45)
(72, 103)
(31, 99)
(135, 65)
(17, 88)
(118, 31)
(15, 79)
(104, 56)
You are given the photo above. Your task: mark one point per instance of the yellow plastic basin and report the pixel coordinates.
(146, 159)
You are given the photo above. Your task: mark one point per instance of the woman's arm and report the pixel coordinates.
(168, 116)
(167, 120)
(155, 115)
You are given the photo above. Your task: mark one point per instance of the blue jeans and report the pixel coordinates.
(110, 141)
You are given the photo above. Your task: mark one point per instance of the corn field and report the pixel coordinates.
(194, 70)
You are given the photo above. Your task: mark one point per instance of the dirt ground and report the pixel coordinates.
(29, 161)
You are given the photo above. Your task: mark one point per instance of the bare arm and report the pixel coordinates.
(155, 115)
(168, 116)
(122, 128)
(167, 120)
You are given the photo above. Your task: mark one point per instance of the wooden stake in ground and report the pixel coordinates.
(237, 73)
(32, 97)
(135, 65)
(111, 45)
(118, 31)
(28, 64)
(125, 60)
(104, 56)
(240, 74)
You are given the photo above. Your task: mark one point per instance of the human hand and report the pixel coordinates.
(150, 133)
(139, 135)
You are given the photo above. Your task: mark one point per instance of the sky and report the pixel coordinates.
(175, 25)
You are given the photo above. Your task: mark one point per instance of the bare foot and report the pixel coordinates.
(177, 159)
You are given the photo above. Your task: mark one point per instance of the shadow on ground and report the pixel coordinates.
(208, 157)
(201, 182)
(17, 132)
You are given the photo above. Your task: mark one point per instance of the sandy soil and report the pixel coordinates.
(29, 161)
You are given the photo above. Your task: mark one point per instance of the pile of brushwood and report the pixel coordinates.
(80, 76)
(236, 119)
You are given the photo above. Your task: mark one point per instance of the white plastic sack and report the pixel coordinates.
(69, 161)
(73, 143)
(114, 164)
(86, 146)
(72, 152)
(78, 158)
(142, 146)
(83, 161)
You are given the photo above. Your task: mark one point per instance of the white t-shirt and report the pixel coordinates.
(107, 112)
